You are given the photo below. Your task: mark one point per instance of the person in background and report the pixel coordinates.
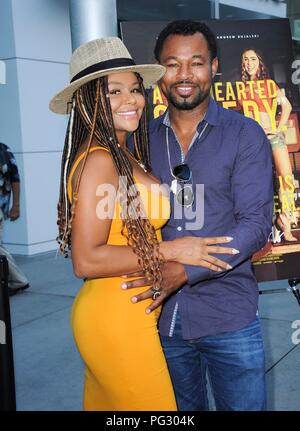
(254, 72)
(10, 185)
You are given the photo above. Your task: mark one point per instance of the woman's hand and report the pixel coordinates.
(197, 251)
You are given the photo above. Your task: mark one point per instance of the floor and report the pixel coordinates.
(49, 370)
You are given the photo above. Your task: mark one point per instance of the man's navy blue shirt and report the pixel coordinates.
(232, 158)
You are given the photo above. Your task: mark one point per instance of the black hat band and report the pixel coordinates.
(103, 65)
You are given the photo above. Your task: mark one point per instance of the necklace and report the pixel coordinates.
(139, 162)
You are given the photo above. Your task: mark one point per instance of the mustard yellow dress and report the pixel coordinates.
(125, 368)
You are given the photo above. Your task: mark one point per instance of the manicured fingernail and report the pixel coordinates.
(134, 299)
(148, 311)
(123, 276)
(220, 270)
(124, 285)
(229, 267)
(229, 238)
(235, 251)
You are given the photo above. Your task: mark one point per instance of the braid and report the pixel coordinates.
(79, 134)
(92, 116)
(141, 147)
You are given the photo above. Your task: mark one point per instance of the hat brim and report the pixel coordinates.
(150, 73)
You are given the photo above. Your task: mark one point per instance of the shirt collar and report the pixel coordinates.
(212, 115)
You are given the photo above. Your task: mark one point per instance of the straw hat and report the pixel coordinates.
(98, 58)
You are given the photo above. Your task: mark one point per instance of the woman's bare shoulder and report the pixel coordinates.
(99, 164)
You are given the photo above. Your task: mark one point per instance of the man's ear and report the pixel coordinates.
(214, 66)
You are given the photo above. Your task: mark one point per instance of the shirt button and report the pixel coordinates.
(179, 228)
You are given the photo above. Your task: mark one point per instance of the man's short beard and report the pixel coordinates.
(185, 105)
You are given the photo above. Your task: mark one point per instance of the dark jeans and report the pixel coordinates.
(234, 362)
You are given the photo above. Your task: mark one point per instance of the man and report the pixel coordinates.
(209, 321)
(10, 184)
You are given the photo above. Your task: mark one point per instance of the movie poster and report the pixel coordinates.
(257, 77)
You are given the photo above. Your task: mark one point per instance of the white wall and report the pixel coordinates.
(36, 47)
(7, 45)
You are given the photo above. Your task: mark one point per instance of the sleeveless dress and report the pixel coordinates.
(125, 368)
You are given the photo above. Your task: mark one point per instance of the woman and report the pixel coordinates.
(254, 70)
(116, 233)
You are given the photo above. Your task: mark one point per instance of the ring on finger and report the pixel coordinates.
(156, 293)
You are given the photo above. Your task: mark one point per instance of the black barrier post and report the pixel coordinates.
(293, 283)
(7, 376)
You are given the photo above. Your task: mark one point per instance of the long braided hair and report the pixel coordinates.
(91, 118)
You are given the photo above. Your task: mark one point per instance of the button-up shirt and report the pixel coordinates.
(231, 164)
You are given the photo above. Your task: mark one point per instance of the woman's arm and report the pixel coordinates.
(92, 257)
(197, 251)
